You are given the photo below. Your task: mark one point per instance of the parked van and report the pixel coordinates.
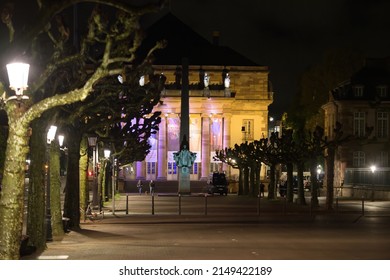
(218, 184)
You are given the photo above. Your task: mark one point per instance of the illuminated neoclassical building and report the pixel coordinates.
(229, 97)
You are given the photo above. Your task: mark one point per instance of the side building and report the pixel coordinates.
(229, 97)
(362, 106)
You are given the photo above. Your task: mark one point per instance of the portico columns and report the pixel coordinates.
(162, 151)
(205, 147)
(226, 137)
(141, 170)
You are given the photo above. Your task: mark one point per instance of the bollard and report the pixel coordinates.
(362, 205)
(152, 203)
(179, 204)
(258, 205)
(127, 204)
(205, 204)
(310, 209)
(284, 205)
(337, 204)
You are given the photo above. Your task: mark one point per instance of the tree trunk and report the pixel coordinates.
(301, 191)
(290, 182)
(271, 186)
(257, 179)
(36, 227)
(240, 182)
(103, 181)
(72, 188)
(108, 180)
(55, 191)
(314, 186)
(330, 177)
(253, 180)
(12, 194)
(246, 180)
(84, 187)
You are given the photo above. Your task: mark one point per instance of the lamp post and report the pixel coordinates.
(373, 169)
(50, 137)
(92, 140)
(61, 139)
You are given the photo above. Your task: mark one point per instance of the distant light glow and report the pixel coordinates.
(142, 81)
(51, 133)
(61, 140)
(206, 80)
(227, 81)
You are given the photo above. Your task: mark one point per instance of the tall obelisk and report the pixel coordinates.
(184, 172)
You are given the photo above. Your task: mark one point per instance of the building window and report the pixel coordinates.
(172, 169)
(359, 124)
(214, 167)
(151, 167)
(382, 124)
(359, 159)
(194, 168)
(384, 159)
(381, 91)
(247, 130)
(358, 91)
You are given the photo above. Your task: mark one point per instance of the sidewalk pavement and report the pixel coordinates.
(130, 236)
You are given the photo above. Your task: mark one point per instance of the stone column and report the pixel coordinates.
(162, 151)
(226, 137)
(141, 170)
(205, 147)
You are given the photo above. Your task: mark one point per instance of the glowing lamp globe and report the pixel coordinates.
(18, 76)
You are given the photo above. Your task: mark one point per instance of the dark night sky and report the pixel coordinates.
(290, 35)
(287, 35)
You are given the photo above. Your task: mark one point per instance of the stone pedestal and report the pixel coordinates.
(184, 180)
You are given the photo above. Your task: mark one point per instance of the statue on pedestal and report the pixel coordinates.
(184, 158)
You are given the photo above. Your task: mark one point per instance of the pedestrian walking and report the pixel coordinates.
(151, 187)
(139, 186)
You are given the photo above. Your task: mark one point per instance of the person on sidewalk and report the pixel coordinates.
(139, 186)
(151, 187)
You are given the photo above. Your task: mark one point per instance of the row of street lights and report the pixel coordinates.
(97, 196)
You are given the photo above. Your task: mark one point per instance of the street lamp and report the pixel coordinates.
(373, 169)
(61, 140)
(319, 171)
(107, 153)
(92, 140)
(18, 77)
(49, 138)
